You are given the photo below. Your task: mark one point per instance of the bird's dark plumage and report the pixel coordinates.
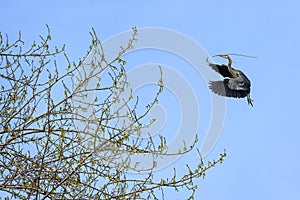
(222, 88)
(221, 69)
(237, 86)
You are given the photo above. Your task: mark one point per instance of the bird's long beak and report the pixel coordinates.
(221, 55)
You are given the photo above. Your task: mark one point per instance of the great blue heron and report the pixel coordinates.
(237, 86)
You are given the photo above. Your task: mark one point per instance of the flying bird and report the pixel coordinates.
(237, 84)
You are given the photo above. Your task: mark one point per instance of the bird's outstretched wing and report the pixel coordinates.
(221, 88)
(221, 69)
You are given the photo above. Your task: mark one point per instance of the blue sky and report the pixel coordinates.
(262, 142)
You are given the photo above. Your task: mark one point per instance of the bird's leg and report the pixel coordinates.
(250, 101)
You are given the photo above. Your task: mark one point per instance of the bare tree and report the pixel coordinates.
(57, 145)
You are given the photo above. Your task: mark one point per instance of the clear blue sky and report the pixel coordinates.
(262, 142)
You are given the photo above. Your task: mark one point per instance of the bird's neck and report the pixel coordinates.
(229, 62)
(230, 68)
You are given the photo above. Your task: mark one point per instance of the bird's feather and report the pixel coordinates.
(221, 69)
(222, 88)
(239, 83)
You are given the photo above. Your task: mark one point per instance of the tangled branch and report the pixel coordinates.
(66, 126)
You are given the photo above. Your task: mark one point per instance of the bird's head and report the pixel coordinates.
(225, 56)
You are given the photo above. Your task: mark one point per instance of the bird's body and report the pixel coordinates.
(237, 86)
